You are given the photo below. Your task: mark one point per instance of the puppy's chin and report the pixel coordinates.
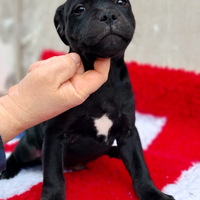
(109, 46)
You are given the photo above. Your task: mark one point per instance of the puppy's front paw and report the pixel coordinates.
(166, 197)
(53, 195)
(157, 195)
(9, 173)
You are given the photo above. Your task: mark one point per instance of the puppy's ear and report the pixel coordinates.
(60, 23)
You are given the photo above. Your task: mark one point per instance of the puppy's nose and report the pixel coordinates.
(107, 17)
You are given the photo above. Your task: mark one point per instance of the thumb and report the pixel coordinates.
(94, 79)
(102, 66)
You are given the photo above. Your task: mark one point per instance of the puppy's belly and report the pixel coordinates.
(84, 150)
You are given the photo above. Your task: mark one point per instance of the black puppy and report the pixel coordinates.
(101, 28)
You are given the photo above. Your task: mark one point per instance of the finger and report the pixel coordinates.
(97, 77)
(102, 66)
(34, 66)
(75, 56)
(73, 64)
(12, 88)
(80, 69)
(91, 80)
(58, 69)
(40, 63)
(79, 62)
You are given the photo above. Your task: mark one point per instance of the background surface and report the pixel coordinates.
(167, 34)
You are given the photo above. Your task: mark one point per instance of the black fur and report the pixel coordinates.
(92, 28)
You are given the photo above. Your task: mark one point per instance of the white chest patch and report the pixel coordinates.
(103, 125)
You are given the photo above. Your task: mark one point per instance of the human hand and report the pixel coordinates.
(52, 87)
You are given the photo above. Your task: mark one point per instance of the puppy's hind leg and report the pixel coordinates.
(26, 153)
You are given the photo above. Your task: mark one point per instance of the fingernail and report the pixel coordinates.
(76, 58)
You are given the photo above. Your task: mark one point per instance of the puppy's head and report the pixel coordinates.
(103, 28)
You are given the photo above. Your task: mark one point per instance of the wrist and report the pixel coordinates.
(10, 125)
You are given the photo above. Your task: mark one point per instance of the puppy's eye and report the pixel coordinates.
(79, 9)
(122, 2)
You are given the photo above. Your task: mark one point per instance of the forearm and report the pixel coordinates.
(10, 127)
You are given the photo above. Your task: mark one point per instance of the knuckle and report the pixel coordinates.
(67, 64)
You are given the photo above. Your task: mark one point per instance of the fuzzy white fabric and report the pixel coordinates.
(21, 182)
(188, 185)
(148, 127)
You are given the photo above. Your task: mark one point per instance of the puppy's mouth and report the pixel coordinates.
(108, 45)
(109, 38)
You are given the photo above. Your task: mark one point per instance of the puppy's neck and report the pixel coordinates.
(118, 69)
(89, 59)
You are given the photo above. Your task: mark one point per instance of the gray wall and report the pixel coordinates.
(167, 34)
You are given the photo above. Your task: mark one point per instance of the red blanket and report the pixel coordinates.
(168, 120)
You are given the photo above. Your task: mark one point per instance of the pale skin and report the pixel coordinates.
(50, 88)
